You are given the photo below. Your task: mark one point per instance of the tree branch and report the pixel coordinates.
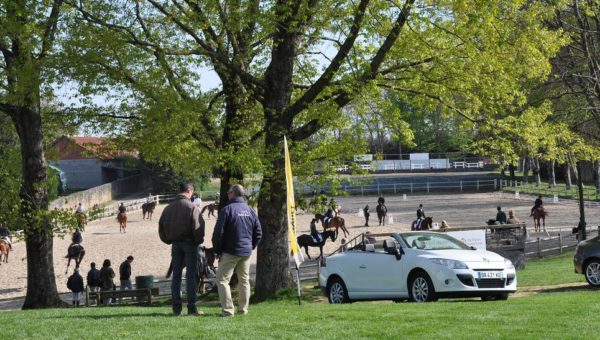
(50, 30)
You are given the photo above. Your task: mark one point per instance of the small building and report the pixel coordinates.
(91, 161)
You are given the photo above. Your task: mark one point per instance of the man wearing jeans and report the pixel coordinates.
(237, 233)
(125, 274)
(181, 226)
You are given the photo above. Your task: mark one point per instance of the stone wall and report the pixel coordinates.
(101, 194)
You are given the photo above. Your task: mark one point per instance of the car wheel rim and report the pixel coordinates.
(593, 273)
(336, 293)
(420, 289)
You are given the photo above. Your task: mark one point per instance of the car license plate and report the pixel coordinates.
(490, 275)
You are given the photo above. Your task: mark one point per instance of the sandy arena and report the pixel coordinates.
(102, 239)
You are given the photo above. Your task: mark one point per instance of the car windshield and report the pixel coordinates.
(432, 241)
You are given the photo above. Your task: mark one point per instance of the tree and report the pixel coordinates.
(289, 68)
(27, 40)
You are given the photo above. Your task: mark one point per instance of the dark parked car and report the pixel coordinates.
(587, 260)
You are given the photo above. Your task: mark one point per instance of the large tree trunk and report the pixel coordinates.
(536, 171)
(272, 267)
(567, 174)
(551, 174)
(41, 284)
(526, 167)
(597, 176)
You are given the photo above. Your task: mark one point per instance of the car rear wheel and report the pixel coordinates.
(337, 292)
(421, 288)
(592, 273)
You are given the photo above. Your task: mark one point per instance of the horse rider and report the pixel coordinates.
(76, 238)
(501, 216)
(381, 200)
(122, 208)
(317, 236)
(79, 209)
(537, 204)
(420, 216)
(5, 235)
(333, 205)
(327, 217)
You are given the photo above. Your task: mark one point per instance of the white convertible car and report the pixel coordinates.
(418, 266)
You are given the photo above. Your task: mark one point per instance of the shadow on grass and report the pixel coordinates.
(579, 288)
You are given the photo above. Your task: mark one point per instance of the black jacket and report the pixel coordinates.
(93, 278)
(75, 283)
(125, 271)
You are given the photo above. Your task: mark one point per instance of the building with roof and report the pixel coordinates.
(91, 161)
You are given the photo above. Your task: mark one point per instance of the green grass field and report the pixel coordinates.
(567, 314)
(589, 191)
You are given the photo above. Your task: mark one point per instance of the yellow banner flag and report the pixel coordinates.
(291, 207)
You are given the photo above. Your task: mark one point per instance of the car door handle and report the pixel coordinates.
(362, 266)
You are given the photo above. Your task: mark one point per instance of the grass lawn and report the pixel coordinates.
(545, 315)
(589, 190)
(549, 271)
(550, 315)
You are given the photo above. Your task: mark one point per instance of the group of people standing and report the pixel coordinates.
(237, 233)
(100, 279)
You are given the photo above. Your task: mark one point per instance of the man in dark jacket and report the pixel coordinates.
(501, 216)
(75, 284)
(237, 233)
(94, 280)
(125, 274)
(181, 226)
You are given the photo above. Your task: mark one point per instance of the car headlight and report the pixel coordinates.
(508, 264)
(450, 264)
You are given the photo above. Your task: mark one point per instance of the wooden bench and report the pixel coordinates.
(118, 294)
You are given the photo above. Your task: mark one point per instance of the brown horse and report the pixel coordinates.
(148, 209)
(81, 220)
(4, 250)
(426, 224)
(335, 223)
(122, 218)
(75, 252)
(539, 214)
(211, 209)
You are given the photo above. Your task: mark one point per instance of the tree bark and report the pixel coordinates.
(536, 171)
(597, 176)
(272, 267)
(582, 223)
(41, 283)
(567, 171)
(526, 167)
(551, 174)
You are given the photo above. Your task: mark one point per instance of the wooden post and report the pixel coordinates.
(539, 244)
(477, 185)
(560, 242)
(411, 187)
(427, 187)
(460, 186)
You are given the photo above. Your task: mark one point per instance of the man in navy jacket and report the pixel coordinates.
(237, 233)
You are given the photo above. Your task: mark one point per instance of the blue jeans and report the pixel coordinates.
(184, 252)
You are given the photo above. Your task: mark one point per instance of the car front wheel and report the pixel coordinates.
(592, 273)
(337, 292)
(421, 288)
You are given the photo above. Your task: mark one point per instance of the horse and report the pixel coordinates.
(75, 252)
(381, 213)
(426, 224)
(539, 214)
(335, 223)
(81, 220)
(4, 250)
(305, 241)
(122, 218)
(148, 209)
(211, 209)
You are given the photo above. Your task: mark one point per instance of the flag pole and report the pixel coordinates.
(291, 217)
